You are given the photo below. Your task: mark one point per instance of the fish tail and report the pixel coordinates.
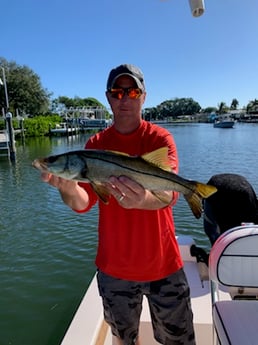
(205, 190)
(194, 199)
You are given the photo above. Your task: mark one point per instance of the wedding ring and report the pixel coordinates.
(121, 198)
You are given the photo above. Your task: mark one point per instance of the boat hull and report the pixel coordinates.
(224, 124)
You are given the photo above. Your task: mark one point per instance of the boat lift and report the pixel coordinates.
(7, 139)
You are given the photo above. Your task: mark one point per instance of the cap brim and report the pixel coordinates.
(138, 82)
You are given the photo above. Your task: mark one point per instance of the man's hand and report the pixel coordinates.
(130, 194)
(72, 194)
(64, 185)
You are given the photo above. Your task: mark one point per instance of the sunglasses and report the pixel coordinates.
(132, 92)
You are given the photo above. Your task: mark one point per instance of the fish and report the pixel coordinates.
(151, 170)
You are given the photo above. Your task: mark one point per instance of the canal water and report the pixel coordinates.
(47, 251)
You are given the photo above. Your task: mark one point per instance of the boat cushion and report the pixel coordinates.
(233, 259)
(236, 322)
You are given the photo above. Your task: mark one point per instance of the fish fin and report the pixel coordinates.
(194, 199)
(163, 198)
(159, 158)
(195, 203)
(101, 192)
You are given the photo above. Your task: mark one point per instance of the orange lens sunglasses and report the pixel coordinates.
(131, 92)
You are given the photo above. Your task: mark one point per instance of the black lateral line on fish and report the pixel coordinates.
(82, 158)
(186, 185)
(66, 167)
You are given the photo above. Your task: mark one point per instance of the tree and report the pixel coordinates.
(234, 104)
(150, 114)
(209, 110)
(78, 102)
(223, 108)
(177, 107)
(252, 107)
(25, 92)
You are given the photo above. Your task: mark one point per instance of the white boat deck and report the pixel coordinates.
(88, 326)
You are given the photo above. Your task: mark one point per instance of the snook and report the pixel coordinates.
(151, 170)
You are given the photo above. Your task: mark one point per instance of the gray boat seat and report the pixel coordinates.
(233, 266)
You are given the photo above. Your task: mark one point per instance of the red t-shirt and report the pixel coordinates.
(138, 245)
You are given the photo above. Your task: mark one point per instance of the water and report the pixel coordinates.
(47, 251)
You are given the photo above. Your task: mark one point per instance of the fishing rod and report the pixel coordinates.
(197, 7)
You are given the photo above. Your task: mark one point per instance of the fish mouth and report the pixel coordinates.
(40, 165)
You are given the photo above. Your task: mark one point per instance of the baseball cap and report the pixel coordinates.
(126, 69)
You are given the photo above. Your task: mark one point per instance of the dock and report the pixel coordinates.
(79, 125)
(64, 129)
(7, 139)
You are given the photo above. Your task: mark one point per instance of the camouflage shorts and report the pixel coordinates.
(169, 303)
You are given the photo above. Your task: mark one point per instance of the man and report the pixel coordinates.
(137, 250)
(234, 203)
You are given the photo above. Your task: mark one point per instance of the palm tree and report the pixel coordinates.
(222, 108)
(234, 104)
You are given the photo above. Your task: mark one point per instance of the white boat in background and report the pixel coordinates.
(63, 128)
(224, 121)
(100, 124)
(233, 248)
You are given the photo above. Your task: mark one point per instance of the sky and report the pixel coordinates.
(73, 45)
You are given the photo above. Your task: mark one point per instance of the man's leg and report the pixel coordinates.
(122, 302)
(170, 305)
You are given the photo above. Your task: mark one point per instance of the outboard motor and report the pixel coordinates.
(234, 203)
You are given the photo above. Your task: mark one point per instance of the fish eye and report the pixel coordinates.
(84, 171)
(52, 159)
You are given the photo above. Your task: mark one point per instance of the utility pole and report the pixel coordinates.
(5, 89)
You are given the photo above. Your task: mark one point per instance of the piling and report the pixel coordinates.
(9, 125)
